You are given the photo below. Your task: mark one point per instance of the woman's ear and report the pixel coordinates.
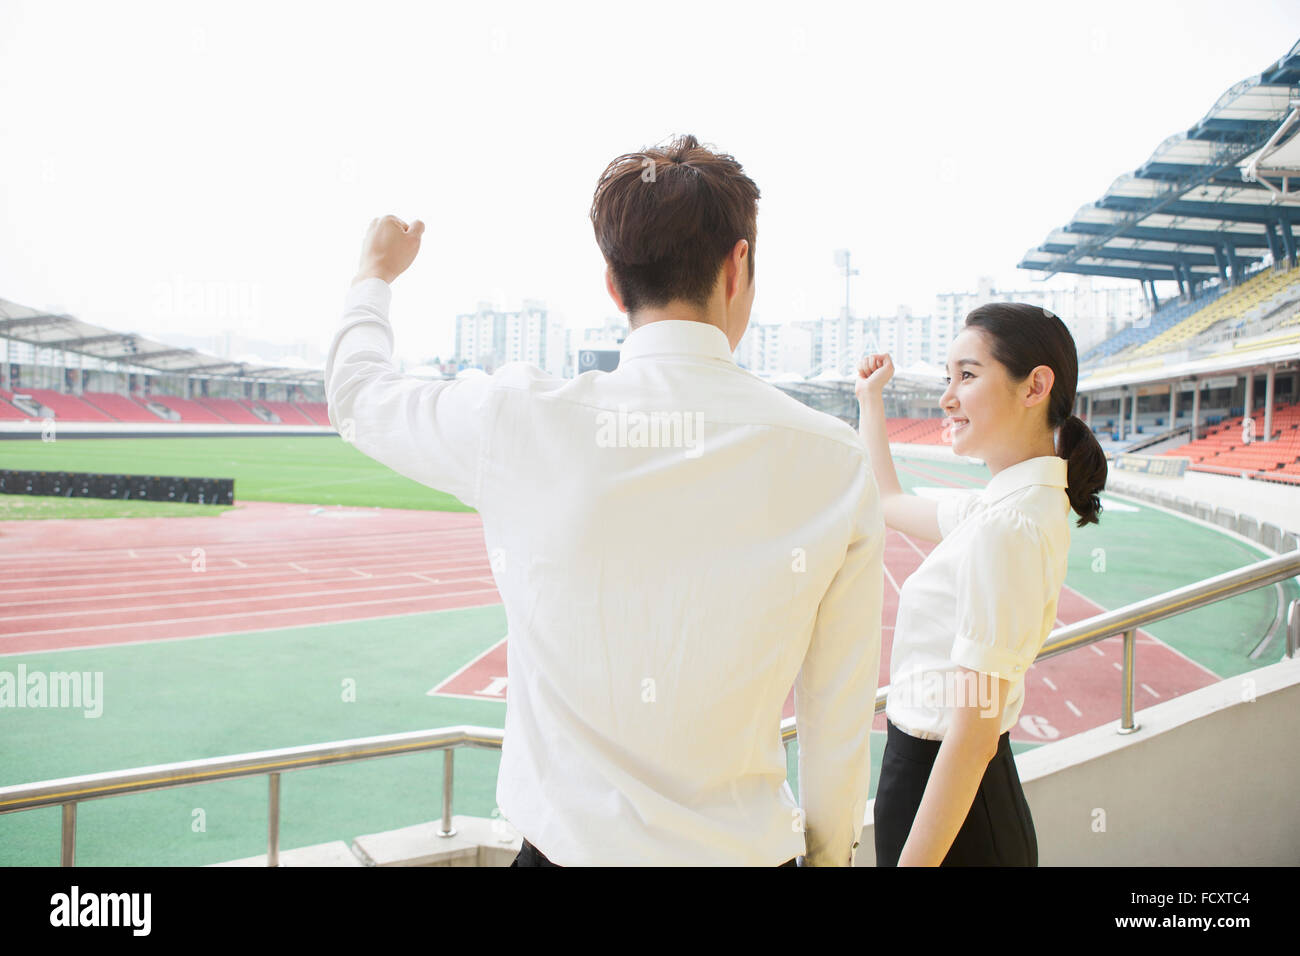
(1038, 385)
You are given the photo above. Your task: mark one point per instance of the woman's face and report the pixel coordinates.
(980, 400)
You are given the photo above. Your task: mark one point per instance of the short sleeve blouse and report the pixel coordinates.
(984, 599)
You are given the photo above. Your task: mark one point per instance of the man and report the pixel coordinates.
(676, 544)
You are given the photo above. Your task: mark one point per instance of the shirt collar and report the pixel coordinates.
(676, 337)
(1043, 470)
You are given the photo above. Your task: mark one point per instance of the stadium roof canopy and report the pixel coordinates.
(1188, 214)
(50, 331)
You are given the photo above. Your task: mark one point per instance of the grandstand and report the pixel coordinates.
(101, 381)
(1183, 380)
(1193, 215)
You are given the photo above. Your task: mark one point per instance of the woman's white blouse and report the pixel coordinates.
(984, 598)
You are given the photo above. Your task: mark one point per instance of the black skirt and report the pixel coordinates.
(998, 830)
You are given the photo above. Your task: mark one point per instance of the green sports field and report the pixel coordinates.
(322, 470)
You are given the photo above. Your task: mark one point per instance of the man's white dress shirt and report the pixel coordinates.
(676, 544)
(984, 598)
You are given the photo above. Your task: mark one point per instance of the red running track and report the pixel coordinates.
(261, 565)
(94, 582)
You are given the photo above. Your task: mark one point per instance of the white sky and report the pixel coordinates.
(193, 168)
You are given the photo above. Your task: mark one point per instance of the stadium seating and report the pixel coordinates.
(10, 412)
(1166, 317)
(119, 407)
(915, 431)
(1223, 448)
(68, 408)
(1259, 295)
(288, 413)
(1292, 322)
(190, 411)
(230, 410)
(112, 407)
(316, 411)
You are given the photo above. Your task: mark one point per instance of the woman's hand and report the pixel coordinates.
(873, 372)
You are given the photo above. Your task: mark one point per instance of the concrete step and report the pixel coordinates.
(477, 841)
(335, 853)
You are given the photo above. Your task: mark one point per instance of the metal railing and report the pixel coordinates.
(67, 792)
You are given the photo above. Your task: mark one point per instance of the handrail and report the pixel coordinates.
(67, 792)
(1127, 619)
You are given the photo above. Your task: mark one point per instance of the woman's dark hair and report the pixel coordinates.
(667, 218)
(1022, 337)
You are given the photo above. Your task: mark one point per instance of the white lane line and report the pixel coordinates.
(1074, 710)
(1173, 650)
(1048, 682)
(892, 582)
(206, 637)
(237, 614)
(330, 587)
(360, 574)
(379, 540)
(462, 669)
(238, 562)
(913, 545)
(131, 552)
(1097, 650)
(255, 583)
(1116, 665)
(294, 564)
(132, 576)
(1148, 690)
(38, 574)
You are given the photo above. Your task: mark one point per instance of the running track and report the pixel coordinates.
(95, 582)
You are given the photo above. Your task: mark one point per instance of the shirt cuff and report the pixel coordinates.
(372, 291)
(988, 659)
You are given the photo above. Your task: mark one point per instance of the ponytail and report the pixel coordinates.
(1086, 469)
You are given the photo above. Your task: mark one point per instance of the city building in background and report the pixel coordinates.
(1091, 315)
(488, 338)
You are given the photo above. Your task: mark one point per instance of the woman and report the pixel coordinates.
(973, 616)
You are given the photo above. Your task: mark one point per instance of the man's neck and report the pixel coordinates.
(644, 317)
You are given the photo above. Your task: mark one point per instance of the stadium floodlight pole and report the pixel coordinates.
(842, 262)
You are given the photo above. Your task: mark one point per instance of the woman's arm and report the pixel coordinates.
(968, 746)
(912, 515)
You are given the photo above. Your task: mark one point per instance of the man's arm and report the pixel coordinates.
(835, 693)
(430, 432)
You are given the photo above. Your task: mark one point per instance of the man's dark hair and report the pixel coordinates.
(667, 218)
